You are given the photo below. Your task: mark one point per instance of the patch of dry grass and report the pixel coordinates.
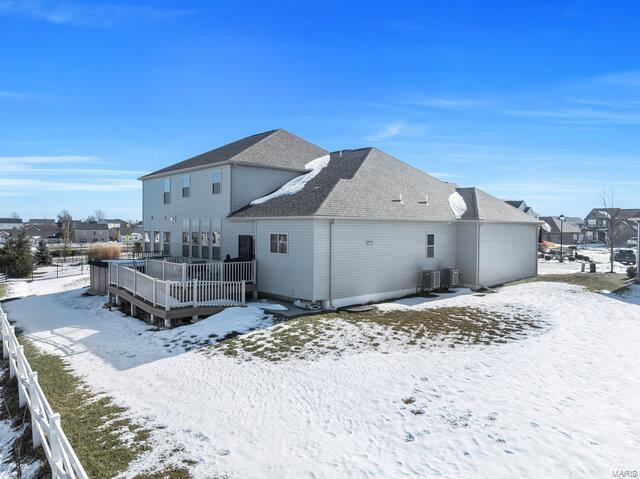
(340, 332)
(592, 281)
(98, 251)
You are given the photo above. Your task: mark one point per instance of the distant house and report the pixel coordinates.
(41, 221)
(522, 206)
(551, 227)
(597, 225)
(47, 232)
(89, 232)
(340, 228)
(10, 223)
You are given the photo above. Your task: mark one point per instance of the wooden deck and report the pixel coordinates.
(176, 291)
(159, 313)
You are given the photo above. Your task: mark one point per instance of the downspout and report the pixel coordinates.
(478, 253)
(331, 223)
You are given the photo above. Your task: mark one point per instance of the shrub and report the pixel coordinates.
(42, 256)
(15, 257)
(98, 251)
(631, 272)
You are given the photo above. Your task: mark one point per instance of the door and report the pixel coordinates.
(245, 247)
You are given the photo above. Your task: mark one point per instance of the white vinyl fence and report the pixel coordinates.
(45, 424)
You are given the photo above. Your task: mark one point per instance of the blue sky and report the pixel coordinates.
(528, 100)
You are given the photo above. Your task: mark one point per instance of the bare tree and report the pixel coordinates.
(611, 215)
(92, 219)
(15, 215)
(99, 215)
(65, 223)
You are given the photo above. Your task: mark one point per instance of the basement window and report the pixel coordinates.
(431, 245)
(279, 243)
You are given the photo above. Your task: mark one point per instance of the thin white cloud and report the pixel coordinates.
(49, 160)
(443, 176)
(581, 114)
(451, 103)
(396, 128)
(87, 13)
(36, 186)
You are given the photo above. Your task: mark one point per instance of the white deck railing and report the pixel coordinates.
(208, 271)
(170, 294)
(45, 424)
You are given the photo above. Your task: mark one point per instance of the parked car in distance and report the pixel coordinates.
(625, 256)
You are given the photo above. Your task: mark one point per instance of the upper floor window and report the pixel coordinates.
(186, 186)
(591, 222)
(279, 243)
(167, 191)
(216, 182)
(431, 245)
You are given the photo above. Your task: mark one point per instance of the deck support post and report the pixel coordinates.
(195, 293)
(118, 302)
(194, 317)
(152, 319)
(254, 295)
(134, 309)
(167, 322)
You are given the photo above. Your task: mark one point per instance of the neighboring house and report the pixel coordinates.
(551, 228)
(10, 223)
(522, 206)
(40, 221)
(89, 232)
(575, 221)
(597, 223)
(47, 232)
(354, 226)
(127, 234)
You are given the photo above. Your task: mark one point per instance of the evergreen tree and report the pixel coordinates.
(16, 257)
(42, 255)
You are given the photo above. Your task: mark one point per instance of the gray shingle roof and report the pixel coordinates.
(366, 183)
(85, 226)
(554, 223)
(275, 148)
(482, 206)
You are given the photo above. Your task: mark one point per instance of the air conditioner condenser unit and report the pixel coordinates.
(431, 279)
(450, 277)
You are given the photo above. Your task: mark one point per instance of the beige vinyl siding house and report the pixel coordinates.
(360, 229)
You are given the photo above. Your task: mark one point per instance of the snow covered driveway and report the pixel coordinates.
(559, 403)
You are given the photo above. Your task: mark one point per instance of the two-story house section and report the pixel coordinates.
(185, 206)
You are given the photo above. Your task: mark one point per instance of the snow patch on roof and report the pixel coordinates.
(457, 204)
(292, 187)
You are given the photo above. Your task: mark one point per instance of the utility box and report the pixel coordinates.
(450, 277)
(431, 279)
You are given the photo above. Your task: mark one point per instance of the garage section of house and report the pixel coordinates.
(365, 227)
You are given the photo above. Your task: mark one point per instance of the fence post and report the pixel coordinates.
(54, 440)
(195, 292)
(184, 272)
(12, 354)
(166, 296)
(222, 263)
(154, 291)
(163, 268)
(22, 380)
(135, 275)
(242, 292)
(36, 409)
(118, 275)
(57, 272)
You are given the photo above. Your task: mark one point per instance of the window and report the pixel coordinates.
(431, 245)
(279, 243)
(186, 186)
(166, 239)
(216, 182)
(156, 241)
(591, 223)
(205, 235)
(185, 238)
(167, 191)
(147, 239)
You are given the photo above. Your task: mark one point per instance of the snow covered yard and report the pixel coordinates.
(538, 379)
(597, 254)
